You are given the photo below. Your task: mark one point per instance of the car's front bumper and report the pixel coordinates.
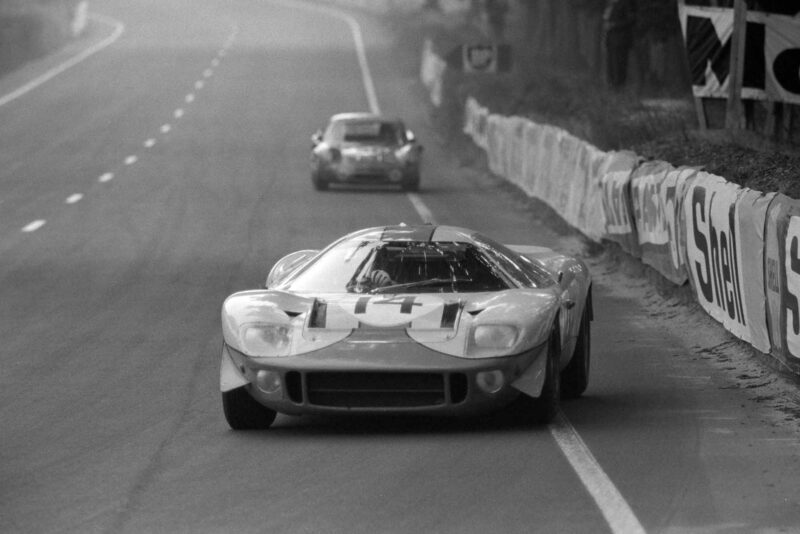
(371, 173)
(398, 377)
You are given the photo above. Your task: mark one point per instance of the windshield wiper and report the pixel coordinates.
(421, 283)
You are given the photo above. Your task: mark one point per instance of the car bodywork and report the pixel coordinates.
(466, 325)
(365, 148)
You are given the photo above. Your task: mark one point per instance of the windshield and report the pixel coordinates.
(373, 266)
(365, 131)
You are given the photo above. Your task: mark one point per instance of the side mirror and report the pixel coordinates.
(316, 138)
(287, 265)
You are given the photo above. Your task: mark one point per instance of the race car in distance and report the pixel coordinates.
(365, 148)
(408, 319)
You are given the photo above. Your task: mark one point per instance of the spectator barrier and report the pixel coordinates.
(657, 191)
(739, 249)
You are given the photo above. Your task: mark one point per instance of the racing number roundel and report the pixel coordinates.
(394, 310)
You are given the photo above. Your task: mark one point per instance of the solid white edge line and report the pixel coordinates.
(119, 28)
(355, 29)
(33, 226)
(609, 500)
(424, 212)
(612, 505)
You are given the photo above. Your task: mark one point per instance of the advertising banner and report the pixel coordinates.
(495, 150)
(751, 209)
(775, 277)
(782, 265)
(771, 56)
(476, 119)
(722, 222)
(516, 150)
(782, 54)
(586, 197)
(534, 156)
(673, 195)
(657, 190)
(546, 166)
(564, 172)
(432, 72)
(616, 187)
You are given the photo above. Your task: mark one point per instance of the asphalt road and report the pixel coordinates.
(146, 183)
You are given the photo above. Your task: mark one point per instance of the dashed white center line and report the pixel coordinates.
(148, 143)
(35, 225)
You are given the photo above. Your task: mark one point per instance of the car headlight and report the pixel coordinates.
(267, 339)
(405, 153)
(493, 336)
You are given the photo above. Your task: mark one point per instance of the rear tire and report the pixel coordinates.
(575, 376)
(243, 412)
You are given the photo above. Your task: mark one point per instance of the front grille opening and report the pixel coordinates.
(458, 388)
(294, 387)
(375, 389)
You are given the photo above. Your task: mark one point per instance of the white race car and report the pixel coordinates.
(408, 319)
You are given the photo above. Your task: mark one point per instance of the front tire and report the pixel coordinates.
(243, 413)
(318, 177)
(575, 376)
(320, 184)
(411, 182)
